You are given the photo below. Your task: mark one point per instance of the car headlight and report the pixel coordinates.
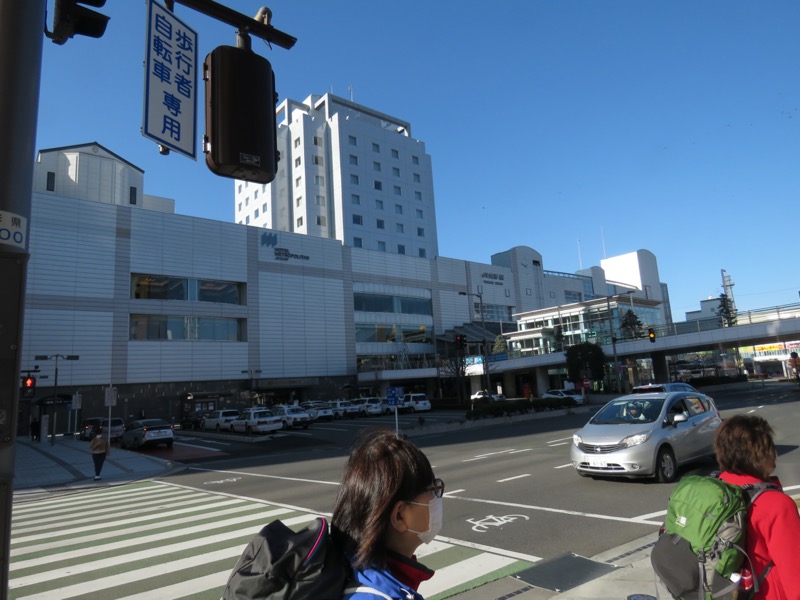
(635, 440)
(576, 439)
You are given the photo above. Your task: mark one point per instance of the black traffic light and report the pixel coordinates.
(28, 387)
(461, 341)
(72, 19)
(241, 136)
(651, 333)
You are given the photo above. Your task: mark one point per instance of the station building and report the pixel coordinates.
(182, 313)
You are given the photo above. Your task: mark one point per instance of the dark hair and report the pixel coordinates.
(382, 470)
(744, 446)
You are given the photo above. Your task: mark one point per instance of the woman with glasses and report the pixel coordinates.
(388, 504)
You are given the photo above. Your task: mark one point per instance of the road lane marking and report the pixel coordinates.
(563, 466)
(299, 479)
(559, 444)
(566, 439)
(512, 478)
(523, 450)
(177, 443)
(466, 570)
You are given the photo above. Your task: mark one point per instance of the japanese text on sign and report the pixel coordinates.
(170, 97)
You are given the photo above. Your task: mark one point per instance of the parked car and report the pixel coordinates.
(117, 427)
(646, 435)
(373, 406)
(663, 387)
(86, 430)
(292, 416)
(416, 402)
(324, 411)
(343, 408)
(576, 395)
(147, 432)
(219, 419)
(481, 395)
(498, 398)
(194, 420)
(256, 420)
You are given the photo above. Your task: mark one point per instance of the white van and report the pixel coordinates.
(416, 403)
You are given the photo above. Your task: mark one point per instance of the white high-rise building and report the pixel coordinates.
(347, 172)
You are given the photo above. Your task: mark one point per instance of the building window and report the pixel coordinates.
(419, 213)
(132, 195)
(398, 190)
(299, 221)
(415, 176)
(414, 160)
(351, 139)
(317, 140)
(298, 202)
(247, 220)
(255, 194)
(401, 249)
(399, 228)
(379, 224)
(297, 162)
(319, 160)
(358, 220)
(247, 201)
(376, 147)
(422, 252)
(320, 200)
(420, 232)
(322, 221)
(396, 171)
(381, 246)
(297, 182)
(353, 159)
(256, 214)
(353, 179)
(181, 328)
(240, 207)
(355, 199)
(395, 153)
(378, 204)
(296, 142)
(376, 166)
(418, 196)
(377, 185)
(358, 242)
(264, 207)
(398, 209)
(319, 180)
(240, 187)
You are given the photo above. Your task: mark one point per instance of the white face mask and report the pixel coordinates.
(435, 513)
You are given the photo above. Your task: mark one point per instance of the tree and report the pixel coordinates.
(631, 326)
(585, 359)
(500, 345)
(726, 311)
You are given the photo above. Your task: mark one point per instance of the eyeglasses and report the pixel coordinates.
(437, 488)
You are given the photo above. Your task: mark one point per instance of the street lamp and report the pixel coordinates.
(55, 387)
(251, 373)
(484, 356)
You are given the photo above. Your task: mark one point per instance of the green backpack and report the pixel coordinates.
(701, 548)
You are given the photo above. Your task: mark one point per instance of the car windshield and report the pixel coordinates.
(625, 411)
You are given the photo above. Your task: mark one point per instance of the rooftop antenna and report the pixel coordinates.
(350, 89)
(580, 260)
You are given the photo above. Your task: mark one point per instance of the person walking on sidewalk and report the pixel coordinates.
(35, 430)
(100, 450)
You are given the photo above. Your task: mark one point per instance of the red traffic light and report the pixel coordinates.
(28, 387)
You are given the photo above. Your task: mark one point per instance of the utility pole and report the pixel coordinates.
(21, 43)
(484, 353)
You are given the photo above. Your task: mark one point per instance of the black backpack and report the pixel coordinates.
(280, 564)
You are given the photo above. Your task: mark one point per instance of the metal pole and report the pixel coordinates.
(613, 343)
(55, 398)
(484, 345)
(21, 42)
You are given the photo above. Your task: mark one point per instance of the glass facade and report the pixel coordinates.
(404, 305)
(180, 328)
(166, 287)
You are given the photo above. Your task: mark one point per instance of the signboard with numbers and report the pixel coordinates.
(170, 82)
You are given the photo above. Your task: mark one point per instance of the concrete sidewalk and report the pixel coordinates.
(42, 467)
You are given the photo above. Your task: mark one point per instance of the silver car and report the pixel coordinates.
(646, 435)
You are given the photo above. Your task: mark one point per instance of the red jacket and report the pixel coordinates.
(773, 534)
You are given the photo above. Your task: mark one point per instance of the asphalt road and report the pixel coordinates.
(509, 487)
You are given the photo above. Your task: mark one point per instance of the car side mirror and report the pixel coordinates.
(679, 418)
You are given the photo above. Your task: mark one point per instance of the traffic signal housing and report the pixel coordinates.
(28, 387)
(651, 334)
(241, 134)
(72, 19)
(461, 342)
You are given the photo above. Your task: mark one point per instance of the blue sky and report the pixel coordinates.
(581, 128)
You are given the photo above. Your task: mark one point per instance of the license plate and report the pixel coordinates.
(159, 433)
(596, 462)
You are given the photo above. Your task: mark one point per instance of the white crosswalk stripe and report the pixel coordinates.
(154, 540)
